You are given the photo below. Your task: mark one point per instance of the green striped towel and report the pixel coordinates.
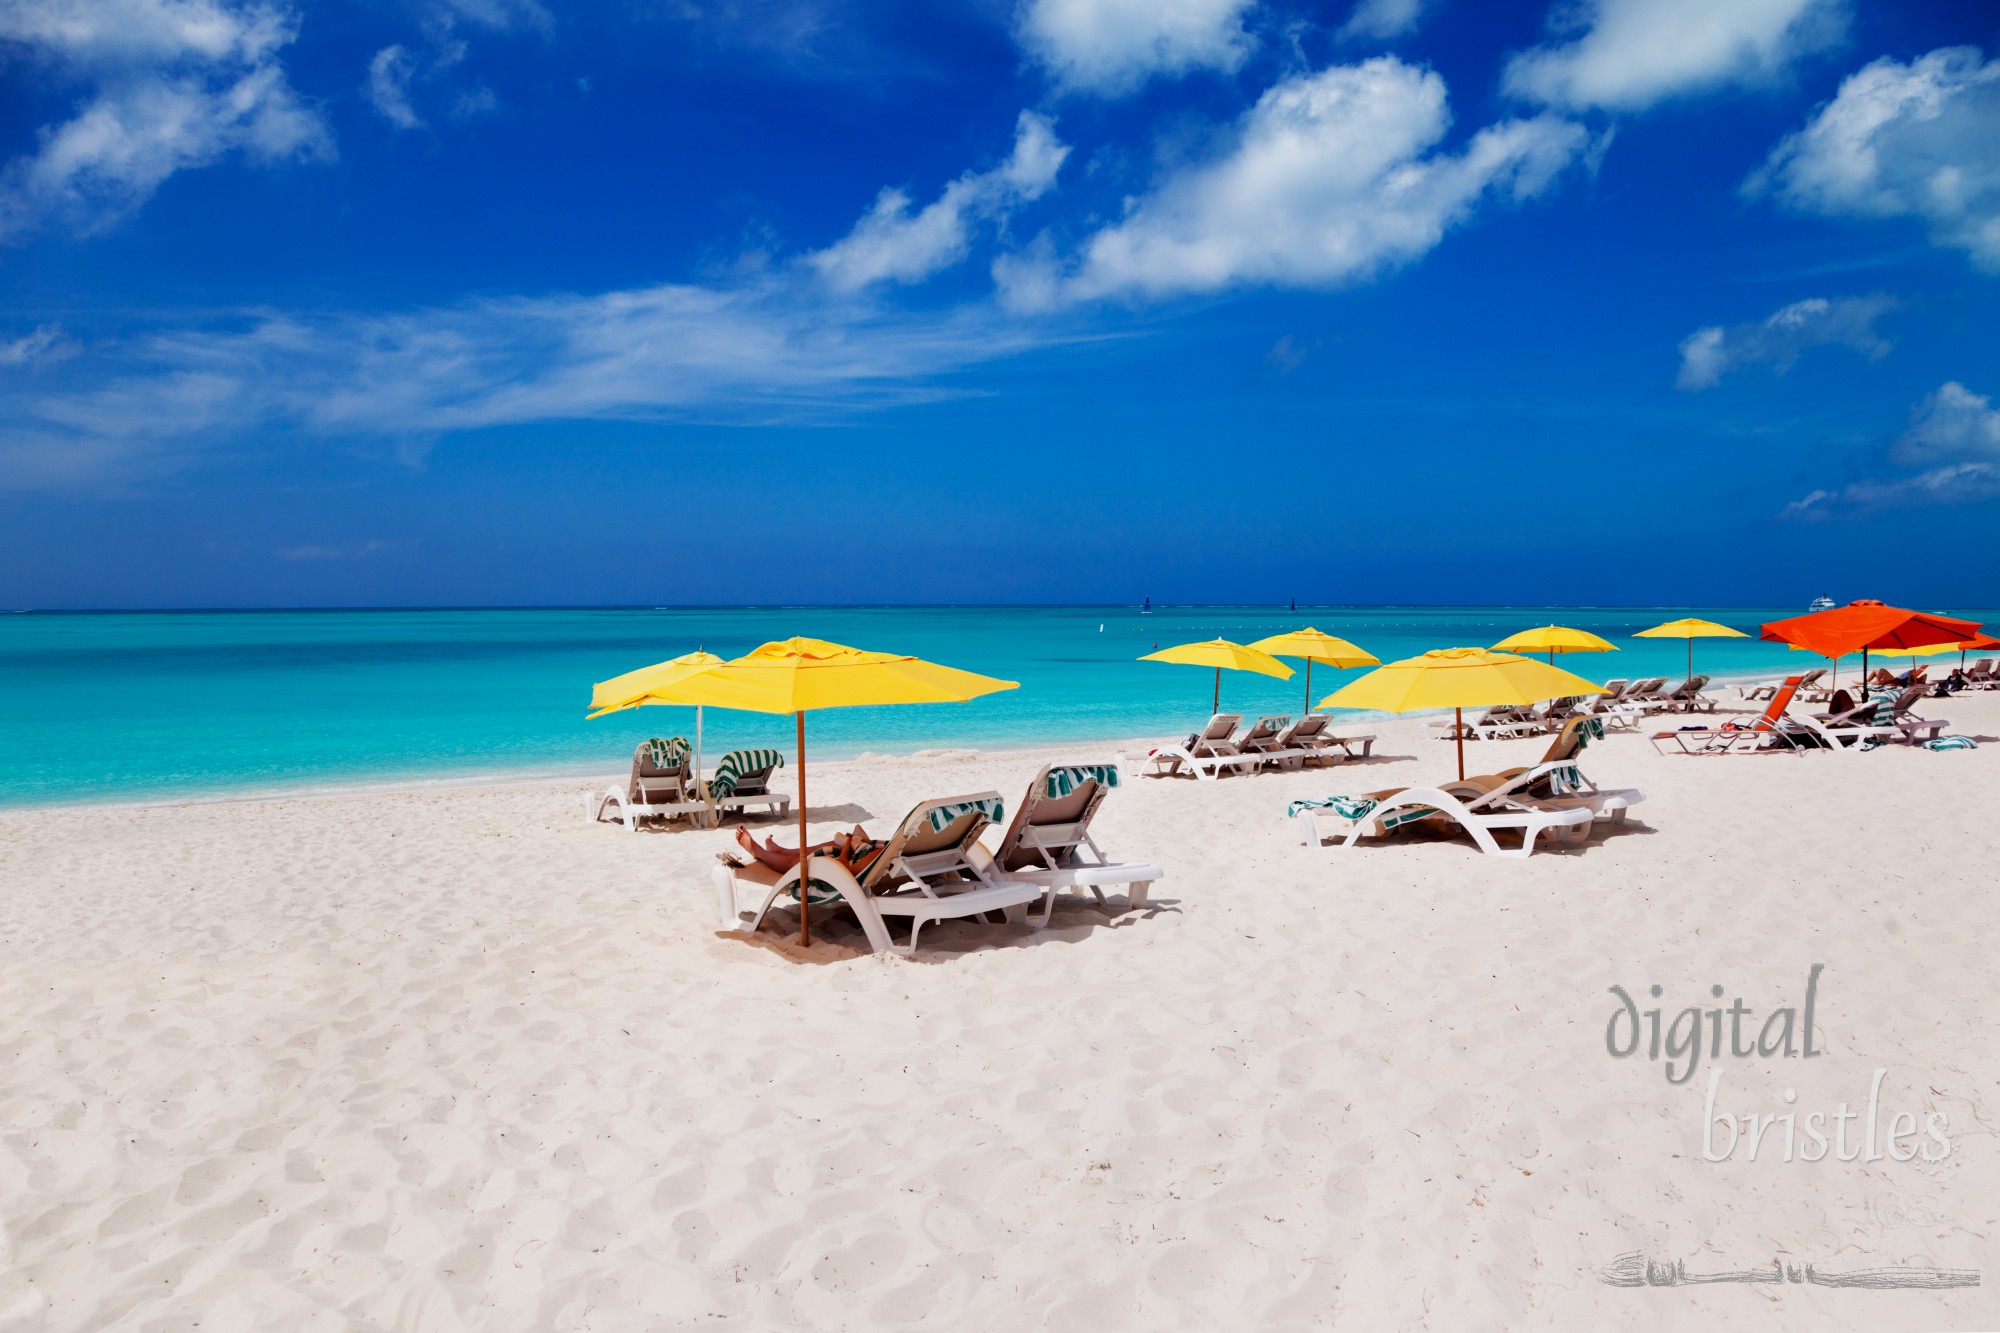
(1565, 780)
(669, 753)
(1357, 808)
(942, 815)
(736, 764)
(1951, 743)
(822, 893)
(1885, 706)
(1063, 781)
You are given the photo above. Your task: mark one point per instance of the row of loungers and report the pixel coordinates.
(1271, 742)
(664, 784)
(1845, 726)
(1623, 708)
(935, 867)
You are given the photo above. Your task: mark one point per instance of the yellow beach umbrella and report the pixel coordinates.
(1458, 679)
(1315, 646)
(1553, 639)
(635, 689)
(1222, 655)
(1692, 629)
(798, 676)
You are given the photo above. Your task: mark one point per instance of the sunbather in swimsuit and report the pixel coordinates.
(847, 848)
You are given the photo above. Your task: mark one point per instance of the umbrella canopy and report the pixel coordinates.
(1222, 655)
(1459, 678)
(1976, 644)
(1861, 626)
(797, 676)
(636, 688)
(1690, 629)
(1553, 639)
(1315, 646)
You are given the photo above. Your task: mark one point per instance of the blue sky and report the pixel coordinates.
(661, 301)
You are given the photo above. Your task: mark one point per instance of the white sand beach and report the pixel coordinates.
(455, 1059)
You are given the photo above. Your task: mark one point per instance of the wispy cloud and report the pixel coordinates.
(44, 345)
(388, 87)
(348, 551)
(1630, 54)
(779, 348)
(1111, 47)
(891, 244)
(1778, 341)
(1920, 139)
(1383, 19)
(1953, 437)
(172, 85)
(1332, 177)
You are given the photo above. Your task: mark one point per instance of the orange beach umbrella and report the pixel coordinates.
(1865, 625)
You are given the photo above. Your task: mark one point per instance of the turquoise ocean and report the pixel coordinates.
(119, 706)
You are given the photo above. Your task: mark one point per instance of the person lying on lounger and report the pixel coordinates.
(850, 849)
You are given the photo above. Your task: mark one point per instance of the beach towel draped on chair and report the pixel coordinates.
(991, 807)
(670, 753)
(1062, 781)
(1354, 809)
(736, 764)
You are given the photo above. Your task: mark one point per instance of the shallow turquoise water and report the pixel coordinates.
(147, 706)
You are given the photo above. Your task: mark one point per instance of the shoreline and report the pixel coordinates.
(536, 775)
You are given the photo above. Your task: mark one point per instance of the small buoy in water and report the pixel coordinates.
(1100, 629)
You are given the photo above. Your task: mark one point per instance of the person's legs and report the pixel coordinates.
(782, 859)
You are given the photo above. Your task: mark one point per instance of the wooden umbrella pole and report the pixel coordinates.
(1309, 687)
(805, 862)
(1216, 705)
(1458, 719)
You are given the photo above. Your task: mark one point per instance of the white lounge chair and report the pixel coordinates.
(1504, 722)
(1312, 735)
(1648, 694)
(1382, 812)
(931, 868)
(742, 779)
(1762, 690)
(1205, 754)
(1049, 842)
(1556, 782)
(662, 785)
(1776, 729)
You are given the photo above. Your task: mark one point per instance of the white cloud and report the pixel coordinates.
(174, 85)
(1331, 179)
(1633, 53)
(1114, 46)
(1920, 139)
(1848, 321)
(1954, 422)
(503, 14)
(388, 87)
(1954, 436)
(1383, 19)
(45, 344)
(892, 244)
(778, 348)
